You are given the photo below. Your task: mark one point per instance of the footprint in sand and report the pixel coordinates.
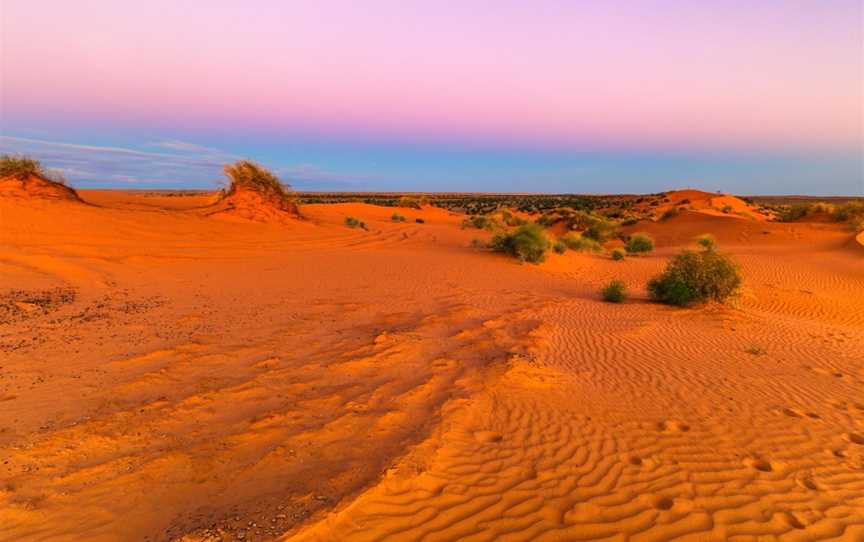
(664, 503)
(673, 426)
(793, 521)
(854, 438)
(487, 437)
(806, 481)
(759, 464)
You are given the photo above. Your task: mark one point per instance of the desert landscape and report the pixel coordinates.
(241, 365)
(419, 271)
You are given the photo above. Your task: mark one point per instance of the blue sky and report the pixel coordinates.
(476, 95)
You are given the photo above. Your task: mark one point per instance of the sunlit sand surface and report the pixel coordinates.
(171, 374)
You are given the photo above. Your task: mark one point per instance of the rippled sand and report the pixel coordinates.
(165, 375)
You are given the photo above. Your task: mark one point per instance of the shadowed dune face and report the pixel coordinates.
(167, 376)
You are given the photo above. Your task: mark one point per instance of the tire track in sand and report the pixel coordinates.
(625, 423)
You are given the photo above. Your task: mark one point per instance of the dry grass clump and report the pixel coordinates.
(512, 220)
(412, 202)
(852, 213)
(694, 277)
(670, 213)
(480, 222)
(617, 254)
(20, 166)
(639, 243)
(528, 243)
(601, 230)
(352, 222)
(579, 243)
(396, 217)
(614, 292)
(245, 174)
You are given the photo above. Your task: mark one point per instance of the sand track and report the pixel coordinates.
(168, 376)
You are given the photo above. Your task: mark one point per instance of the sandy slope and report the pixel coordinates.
(169, 375)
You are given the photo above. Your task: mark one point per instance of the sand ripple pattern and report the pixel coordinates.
(638, 423)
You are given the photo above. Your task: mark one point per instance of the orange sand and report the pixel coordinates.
(165, 375)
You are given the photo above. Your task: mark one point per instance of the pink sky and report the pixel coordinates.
(740, 75)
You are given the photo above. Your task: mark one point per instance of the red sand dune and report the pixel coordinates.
(709, 203)
(34, 187)
(168, 376)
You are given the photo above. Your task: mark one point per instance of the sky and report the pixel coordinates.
(478, 95)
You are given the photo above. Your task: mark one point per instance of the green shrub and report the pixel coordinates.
(639, 243)
(559, 247)
(670, 213)
(617, 254)
(20, 166)
(791, 213)
(706, 241)
(528, 243)
(693, 277)
(352, 222)
(581, 244)
(600, 231)
(614, 292)
(396, 217)
(481, 222)
(512, 220)
(848, 212)
(411, 202)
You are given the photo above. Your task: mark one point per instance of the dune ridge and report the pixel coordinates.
(36, 187)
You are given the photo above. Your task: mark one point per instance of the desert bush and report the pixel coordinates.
(639, 243)
(512, 220)
(411, 202)
(614, 292)
(480, 222)
(692, 277)
(706, 241)
(352, 222)
(248, 174)
(848, 212)
(528, 243)
(396, 217)
(559, 247)
(670, 213)
(20, 166)
(631, 221)
(419, 221)
(617, 254)
(791, 213)
(478, 244)
(600, 231)
(581, 244)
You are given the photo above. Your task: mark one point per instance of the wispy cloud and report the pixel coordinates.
(97, 165)
(190, 165)
(185, 146)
